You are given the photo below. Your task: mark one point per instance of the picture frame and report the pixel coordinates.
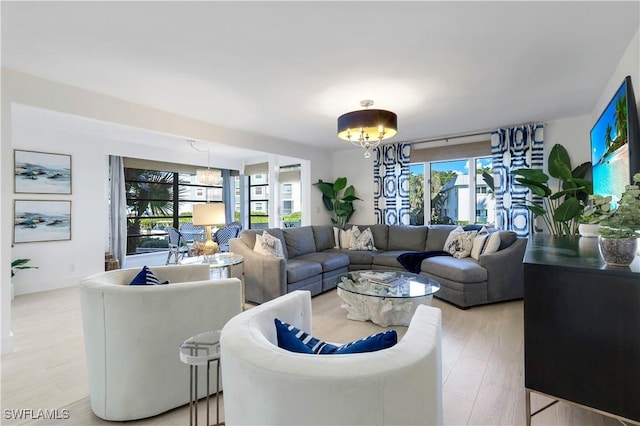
(41, 172)
(41, 220)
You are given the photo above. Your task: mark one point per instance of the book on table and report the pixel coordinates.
(388, 279)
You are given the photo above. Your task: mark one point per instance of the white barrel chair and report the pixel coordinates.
(264, 384)
(133, 334)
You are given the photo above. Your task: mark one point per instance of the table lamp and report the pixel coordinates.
(207, 215)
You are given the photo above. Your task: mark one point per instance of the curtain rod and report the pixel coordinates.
(458, 136)
(468, 135)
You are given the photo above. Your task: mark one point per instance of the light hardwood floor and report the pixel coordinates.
(482, 363)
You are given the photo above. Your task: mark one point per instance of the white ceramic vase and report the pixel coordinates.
(588, 229)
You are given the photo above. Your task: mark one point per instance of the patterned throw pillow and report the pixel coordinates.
(146, 277)
(342, 238)
(296, 340)
(459, 242)
(268, 245)
(485, 243)
(362, 240)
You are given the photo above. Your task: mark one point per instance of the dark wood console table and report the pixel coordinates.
(581, 327)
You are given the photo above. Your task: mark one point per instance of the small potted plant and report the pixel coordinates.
(19, 264)
(597, 208)
(619, 230)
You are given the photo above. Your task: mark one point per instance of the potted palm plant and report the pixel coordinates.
(619, 230)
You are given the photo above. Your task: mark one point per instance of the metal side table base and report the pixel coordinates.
(197, 351)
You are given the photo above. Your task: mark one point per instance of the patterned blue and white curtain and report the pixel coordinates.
(511, 149)
(391, 180)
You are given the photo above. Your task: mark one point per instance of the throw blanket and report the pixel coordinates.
(412, 261)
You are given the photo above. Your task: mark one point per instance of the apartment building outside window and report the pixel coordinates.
(457, 192)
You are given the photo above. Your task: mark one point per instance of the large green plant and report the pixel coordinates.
(559, 209)
(338, 199)
(624, 221)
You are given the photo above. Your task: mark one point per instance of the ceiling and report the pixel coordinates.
(289, 69)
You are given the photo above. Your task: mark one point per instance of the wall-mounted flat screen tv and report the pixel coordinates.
(615, 144)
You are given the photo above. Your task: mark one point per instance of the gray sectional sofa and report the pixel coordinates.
(312, 263)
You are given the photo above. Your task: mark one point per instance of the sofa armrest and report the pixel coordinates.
(505, 272)
(265, 277)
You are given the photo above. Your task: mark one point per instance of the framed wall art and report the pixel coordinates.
(41, 172)
(39, 220)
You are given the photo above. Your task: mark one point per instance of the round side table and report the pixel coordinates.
(199, 350)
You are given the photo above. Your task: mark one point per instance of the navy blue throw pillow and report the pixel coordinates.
(296, 340)
(146, 277)
(473, 227)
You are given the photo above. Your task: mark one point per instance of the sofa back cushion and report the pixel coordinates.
(299, 241)
(406, 237)
(248, 237)
(323, 236)
(437, 236)
(506, 239)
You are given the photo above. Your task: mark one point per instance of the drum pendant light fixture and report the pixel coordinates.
(367, 127)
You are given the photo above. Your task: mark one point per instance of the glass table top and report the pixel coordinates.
(201, 348)
(215, 260)
(398, 284)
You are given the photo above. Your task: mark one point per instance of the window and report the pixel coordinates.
(286, 190)
(458, 193)
(258, 201)
(160, 199)
(287, 207)
(290, 196)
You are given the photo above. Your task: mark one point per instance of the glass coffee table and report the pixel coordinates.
(384, 297)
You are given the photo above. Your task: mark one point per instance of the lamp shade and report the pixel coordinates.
(367, 124)
(208, 176)
(208, 214)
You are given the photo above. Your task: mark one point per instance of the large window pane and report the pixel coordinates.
(416, 194)
(484, 198)
(259, 201)
(290, 196)
(160, 199)
(450, 192)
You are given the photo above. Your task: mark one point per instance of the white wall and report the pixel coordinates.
(359, 173)
(64, 263)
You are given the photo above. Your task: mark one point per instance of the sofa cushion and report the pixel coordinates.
(407, 238)
(357, 257)
(146, 277)
(299, 269)
(437, 236)
(506, 239)
(295, 340)
(388, 258)
(323, 237)
(299, 241)
(464, 270)
(329, 261)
